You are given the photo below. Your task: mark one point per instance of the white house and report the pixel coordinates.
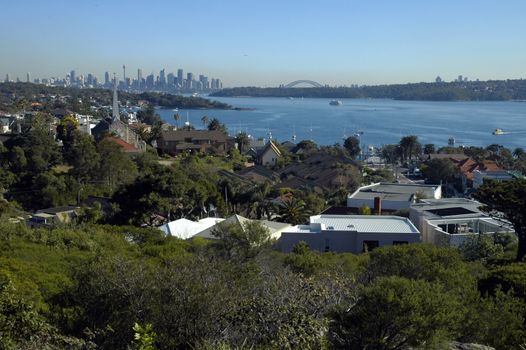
(451, 221)
(349, 233)
(268, 155)
(393, 196)
(480, 176)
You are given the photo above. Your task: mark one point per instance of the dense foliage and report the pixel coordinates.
(116, 287)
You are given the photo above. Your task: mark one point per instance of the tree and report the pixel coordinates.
(409, 144)
(177, 117)
(293, 211)
(429, 148)
(352, 145)
(391, 153)
(204, 120)
(116, 167)
(66, 128)
(508, 198)
(439, 170)
(519, 153)
(242, 141)
(84, 158)
(215, 124)
(396, 313)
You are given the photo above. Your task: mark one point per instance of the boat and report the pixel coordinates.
(498, 132)
(335, 103)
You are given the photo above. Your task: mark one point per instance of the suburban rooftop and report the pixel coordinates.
(359, 223)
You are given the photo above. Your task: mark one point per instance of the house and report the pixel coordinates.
(268, 155)
(393, 196)
(479, 176)
(53, 216)
(204, 228)
(179, 141)
(451, 221)
(258, 174)
(275, 228)
(119, 129)
(319, 172)
(469, 166)
(349, 233)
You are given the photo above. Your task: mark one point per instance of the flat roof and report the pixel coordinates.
(392, 191)
(449, 207)
(359, 223)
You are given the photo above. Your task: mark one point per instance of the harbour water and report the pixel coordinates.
(382, 121)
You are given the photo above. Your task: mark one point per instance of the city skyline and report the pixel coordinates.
(271, 43)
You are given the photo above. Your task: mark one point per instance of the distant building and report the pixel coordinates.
(451, 221)
(178, 141)
(349, 233)
(479, 176)
(268, 155)
(53, 216)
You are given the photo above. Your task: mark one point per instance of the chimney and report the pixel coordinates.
(378, 205)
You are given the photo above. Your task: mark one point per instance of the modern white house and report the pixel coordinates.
(349, 233)
(393, 196)
(451, 221)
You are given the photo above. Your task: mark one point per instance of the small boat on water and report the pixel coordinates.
(498, 132)
(335, 103)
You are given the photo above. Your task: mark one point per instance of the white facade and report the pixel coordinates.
(480, 176)
(349, 233)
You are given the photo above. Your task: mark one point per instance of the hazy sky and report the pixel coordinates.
(268, 42)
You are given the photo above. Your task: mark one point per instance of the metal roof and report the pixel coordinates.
(358, 223)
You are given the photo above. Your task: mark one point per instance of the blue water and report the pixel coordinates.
(382, 121)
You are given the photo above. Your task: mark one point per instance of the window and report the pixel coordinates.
(370, 245)
(327, 245)
(400, 242)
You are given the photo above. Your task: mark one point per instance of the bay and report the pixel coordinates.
(382, 121)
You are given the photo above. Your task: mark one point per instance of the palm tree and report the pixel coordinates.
(177, 117)
(204, 119)
(519, 153)
(293, 211)
(408, 144)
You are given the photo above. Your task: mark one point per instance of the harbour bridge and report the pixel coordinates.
(297, 82)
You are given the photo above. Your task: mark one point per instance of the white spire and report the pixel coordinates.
(115, 114)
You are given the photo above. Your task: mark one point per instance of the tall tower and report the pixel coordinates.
(115, 109)
(28, 77)
(124, 74)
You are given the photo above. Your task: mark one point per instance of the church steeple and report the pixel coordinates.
(115, 114)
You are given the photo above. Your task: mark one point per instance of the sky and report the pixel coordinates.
(268, 42)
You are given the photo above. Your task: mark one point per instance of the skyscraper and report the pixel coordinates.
(162, 78)
(107, 79)
(28, 77)
(115, 109)
(7, 78)
(72, 77)
(124, 74)
(170, 79)
(189, 80)
(180, 77)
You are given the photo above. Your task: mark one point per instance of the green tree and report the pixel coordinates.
(409, 144)
(116, 167)
(391, 153)
(215, 124)
(396, 313)
(429, 148)
(352, 145)
(84, 158)
(508, 198)
(204, 120)
(242, 141)
(293, 211)
(439, 170)
(66, 128)
(177, 117)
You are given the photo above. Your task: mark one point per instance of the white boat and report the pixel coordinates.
(498, 132)
(335, 103)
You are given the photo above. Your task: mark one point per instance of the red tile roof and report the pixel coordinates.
(127, 147)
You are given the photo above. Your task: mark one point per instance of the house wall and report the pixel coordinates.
(269, 158)
(386, 204)
(341, 241)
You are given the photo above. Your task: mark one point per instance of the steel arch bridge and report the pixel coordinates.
(297, 82)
